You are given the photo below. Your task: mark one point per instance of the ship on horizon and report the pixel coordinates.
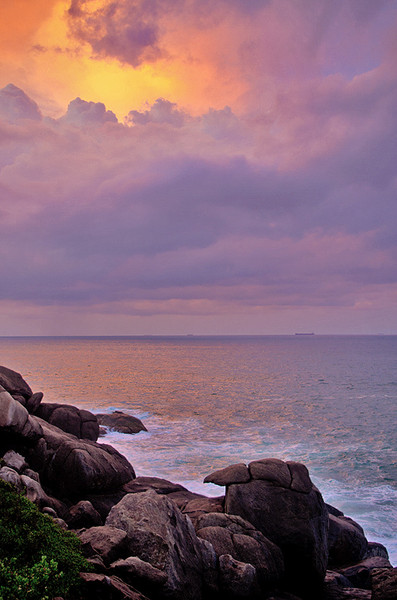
(305, 333)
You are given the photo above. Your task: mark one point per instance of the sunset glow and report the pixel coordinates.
(198, 167)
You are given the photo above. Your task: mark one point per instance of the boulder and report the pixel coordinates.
(376, 549)
(11, 476)
(233, 474)
(293, 518)
(81, 423)
(32, 403)
(104, 501)
(34, 492)
(237, 579)
(15, 419)
(121, 422)
(97, 586)
(83, 514)
(109, 542)
(158, 533)
(73, 467)
(14, 460)
(14, 383)
(230, 534)
(347, 543)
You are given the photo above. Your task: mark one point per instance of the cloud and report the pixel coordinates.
(16, 105)
(81, 112)
(283, 198)
(127, 31)
(162, 111)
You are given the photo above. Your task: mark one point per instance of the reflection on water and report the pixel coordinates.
(328, 401)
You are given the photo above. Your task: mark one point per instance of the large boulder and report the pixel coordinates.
(14, 383)
(81, 423)
(281, 502)
(121, 422)
(158, 533)
(73, 467)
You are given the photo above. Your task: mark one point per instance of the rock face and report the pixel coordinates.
(122, 422)
(73, 467)
(281, 502)
(158, 533)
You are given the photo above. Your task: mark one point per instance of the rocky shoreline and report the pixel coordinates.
(270, 536)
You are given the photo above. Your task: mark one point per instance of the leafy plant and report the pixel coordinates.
(38, 559)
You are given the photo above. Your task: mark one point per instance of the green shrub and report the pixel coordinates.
(38, 559)
(41, 581)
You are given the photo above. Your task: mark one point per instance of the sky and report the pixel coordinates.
(198, 167)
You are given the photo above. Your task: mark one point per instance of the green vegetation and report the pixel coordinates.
(38, 559)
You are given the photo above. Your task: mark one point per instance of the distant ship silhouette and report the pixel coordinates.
(309, 333)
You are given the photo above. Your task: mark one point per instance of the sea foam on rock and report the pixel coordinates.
(270, 537)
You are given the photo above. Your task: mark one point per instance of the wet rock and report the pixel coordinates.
(233, 474)
(121, 422)
(14, 383)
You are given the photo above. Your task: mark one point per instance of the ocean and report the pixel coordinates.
(207, 402)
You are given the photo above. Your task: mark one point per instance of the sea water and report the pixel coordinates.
(208, 402)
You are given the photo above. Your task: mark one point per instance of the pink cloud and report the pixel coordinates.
(288, 203)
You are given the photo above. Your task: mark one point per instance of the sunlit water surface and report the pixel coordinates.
(328, 401)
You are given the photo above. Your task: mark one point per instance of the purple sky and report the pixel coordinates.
(270, 209)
